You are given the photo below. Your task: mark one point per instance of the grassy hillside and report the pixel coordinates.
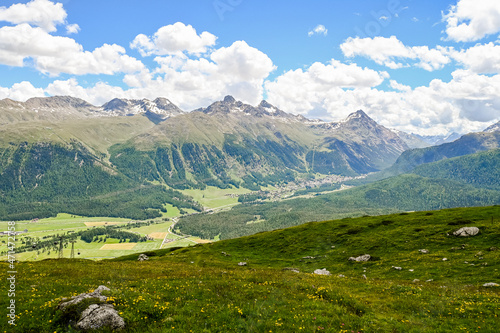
(480, 170)
(467, 144)
(202, 289)
(43, 179)
(402, 193)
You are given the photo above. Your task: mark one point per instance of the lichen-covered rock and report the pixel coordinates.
(142, 257)
(466, 232)
(364, 257)
(99, 316)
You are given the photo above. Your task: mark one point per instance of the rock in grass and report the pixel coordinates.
(423, 251)
(466, 232)
(294, 270)
(364, 257)
(142, 257)
(491, 284)
(397, 268)
(98, 316)
(77, 299)
(322, 272)
(242, 263)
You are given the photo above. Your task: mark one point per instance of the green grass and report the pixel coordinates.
(213, 197)
(200, 289)
(171, 211)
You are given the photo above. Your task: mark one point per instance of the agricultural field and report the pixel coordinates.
(64, 224)
(204, 288)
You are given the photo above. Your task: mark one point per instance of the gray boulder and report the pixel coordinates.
(77, 299)
(364, 257)
(322, 272)
(97, 316)
(466, 232)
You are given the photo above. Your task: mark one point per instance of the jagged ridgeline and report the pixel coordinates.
(234, 144)
(127, 157)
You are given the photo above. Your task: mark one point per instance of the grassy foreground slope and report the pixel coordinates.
(202, 288)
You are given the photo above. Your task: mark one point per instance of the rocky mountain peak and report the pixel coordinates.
(493, 128)
(229, 99)
(359, 115)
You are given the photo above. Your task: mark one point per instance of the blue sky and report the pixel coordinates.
(427, 67)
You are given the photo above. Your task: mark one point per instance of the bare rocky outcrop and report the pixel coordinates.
(466, 232)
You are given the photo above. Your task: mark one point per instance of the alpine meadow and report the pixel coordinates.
(250, 166)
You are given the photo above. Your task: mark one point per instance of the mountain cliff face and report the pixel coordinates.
(102, 154)
(230, 142)
(60, 108)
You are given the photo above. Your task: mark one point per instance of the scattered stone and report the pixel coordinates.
(341, 276)
(322, 272)
(430, 280)
(225, 254)
(424, 251)
(480, 253)
(416, 280)
(333, 246)
(242, 263)
(493, 248)
(397, 268)
(142, 257)
(77, 299)
(445, 259)
(309, 257)
(295, 270)
(97, 316)
(466, 232)
(364, 276)
(491, 284)
(364, 257)
(411, 270)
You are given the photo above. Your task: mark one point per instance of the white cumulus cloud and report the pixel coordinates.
(391, 52)
(21, 91)
(319, 30)
(471, 20)
(481, 58)
(55, 54)
(172, 39)
(42, 13)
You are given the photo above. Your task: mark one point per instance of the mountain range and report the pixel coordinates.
(65, 152)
